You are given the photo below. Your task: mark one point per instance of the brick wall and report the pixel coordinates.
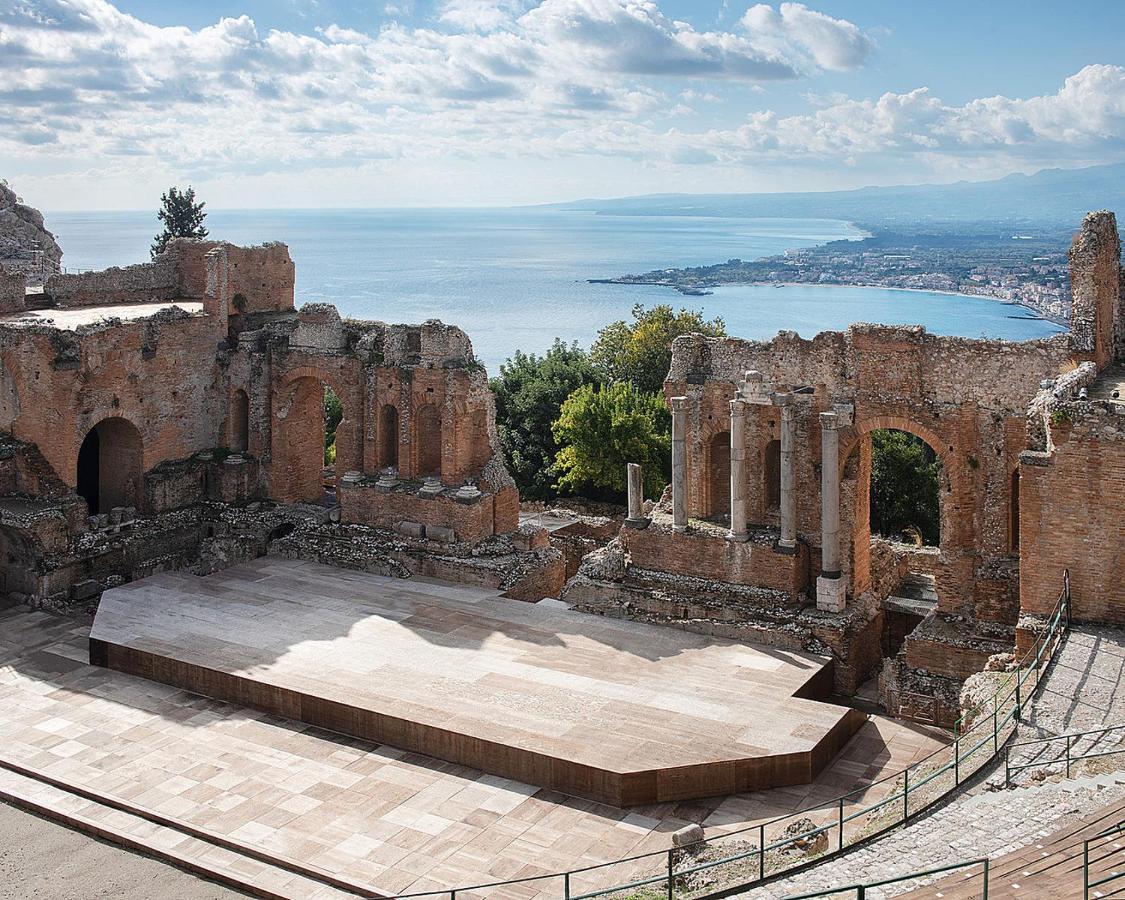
(1072, 515)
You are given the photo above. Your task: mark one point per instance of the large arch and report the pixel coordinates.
(855, 472)
(388, 436)
(300, 436)
(110, 468)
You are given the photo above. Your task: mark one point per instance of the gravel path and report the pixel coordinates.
(43, 860)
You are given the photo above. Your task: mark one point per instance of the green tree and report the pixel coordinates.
(333, 413)
(640, 351)
(905, 476)
(182, 217)
(530, 391)
(601, 428)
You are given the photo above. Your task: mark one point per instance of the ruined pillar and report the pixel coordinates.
(635, 477)
(830, 587)
(737, 471)
(788, 540)
(679, 459)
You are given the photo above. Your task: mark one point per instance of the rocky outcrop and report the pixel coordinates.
(21, 233)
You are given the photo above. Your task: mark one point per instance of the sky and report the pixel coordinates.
(395, 103)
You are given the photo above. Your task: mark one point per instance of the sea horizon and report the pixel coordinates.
(515, 278)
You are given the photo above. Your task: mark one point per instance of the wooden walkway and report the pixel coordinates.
(1049, 867)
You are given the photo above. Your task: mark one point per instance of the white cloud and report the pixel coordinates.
(84, 84)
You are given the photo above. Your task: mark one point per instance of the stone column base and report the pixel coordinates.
(831, 594)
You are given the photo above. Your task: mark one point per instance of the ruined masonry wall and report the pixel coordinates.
(13, 291)
(1097, 318)
(1072, 516)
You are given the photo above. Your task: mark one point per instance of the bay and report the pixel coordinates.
(516, 278)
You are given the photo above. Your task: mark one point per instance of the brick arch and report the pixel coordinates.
(428, 442)
(955, 484)
(717, 483)
(109, 465)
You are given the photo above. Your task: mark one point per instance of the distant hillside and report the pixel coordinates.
(1051, 196)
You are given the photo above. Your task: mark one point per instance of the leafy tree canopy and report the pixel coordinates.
(601, 428)
(905, 475)
(529, 391)
(182, 217)
(640, 352)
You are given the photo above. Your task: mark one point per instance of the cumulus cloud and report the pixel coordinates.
(505, 80)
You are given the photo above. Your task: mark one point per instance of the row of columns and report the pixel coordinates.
(830, 586)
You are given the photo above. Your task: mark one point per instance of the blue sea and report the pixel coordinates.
(516, 278)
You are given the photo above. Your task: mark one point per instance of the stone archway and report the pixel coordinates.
(856, 474)
(427, 424)
(239, 421)
(110, 468)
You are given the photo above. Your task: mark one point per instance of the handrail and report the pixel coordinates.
(1087, 884)
(990, 726)
(861, 889)
(1069, 757)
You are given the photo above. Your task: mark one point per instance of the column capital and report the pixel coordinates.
(679, 404)
(738, 407)
(829, 420)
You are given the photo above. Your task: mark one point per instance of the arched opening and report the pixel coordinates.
(111, 466)
(313, 412)
(239, 421)
(718, 506)
(429, 440)
(1014, 513)
(771, 475)
(905, 488)
(388, 437)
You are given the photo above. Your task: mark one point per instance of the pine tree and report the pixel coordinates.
(182, 217)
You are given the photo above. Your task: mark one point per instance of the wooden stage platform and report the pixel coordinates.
(616, 711)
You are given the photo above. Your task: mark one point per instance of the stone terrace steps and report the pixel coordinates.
(1050, 867)
(170, 842)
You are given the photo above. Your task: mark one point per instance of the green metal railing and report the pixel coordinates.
(1087, 884)
(1071, 753)
(844, 822)
(862, 889)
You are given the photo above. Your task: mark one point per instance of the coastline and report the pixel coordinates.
(709, 290)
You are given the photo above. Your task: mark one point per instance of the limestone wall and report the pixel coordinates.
(142, 283)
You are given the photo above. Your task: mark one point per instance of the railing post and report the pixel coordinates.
(453, 895)
(1086, 870)
(905, 795)
(762, 851)
(1016, 716)
(957, 762)
(985, 879)
(860, 892)
(995, 728)
(1008, 768)
(841, 823)
(671, 864)
(566, 885)
(1068, 756)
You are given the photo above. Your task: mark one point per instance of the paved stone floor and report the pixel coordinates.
(71, 319)
(399, 821)
(585, 704)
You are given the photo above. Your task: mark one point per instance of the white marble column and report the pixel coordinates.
(635, 476)
(830, 587)
(737, 471)
(788, 491)
(679, 461)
